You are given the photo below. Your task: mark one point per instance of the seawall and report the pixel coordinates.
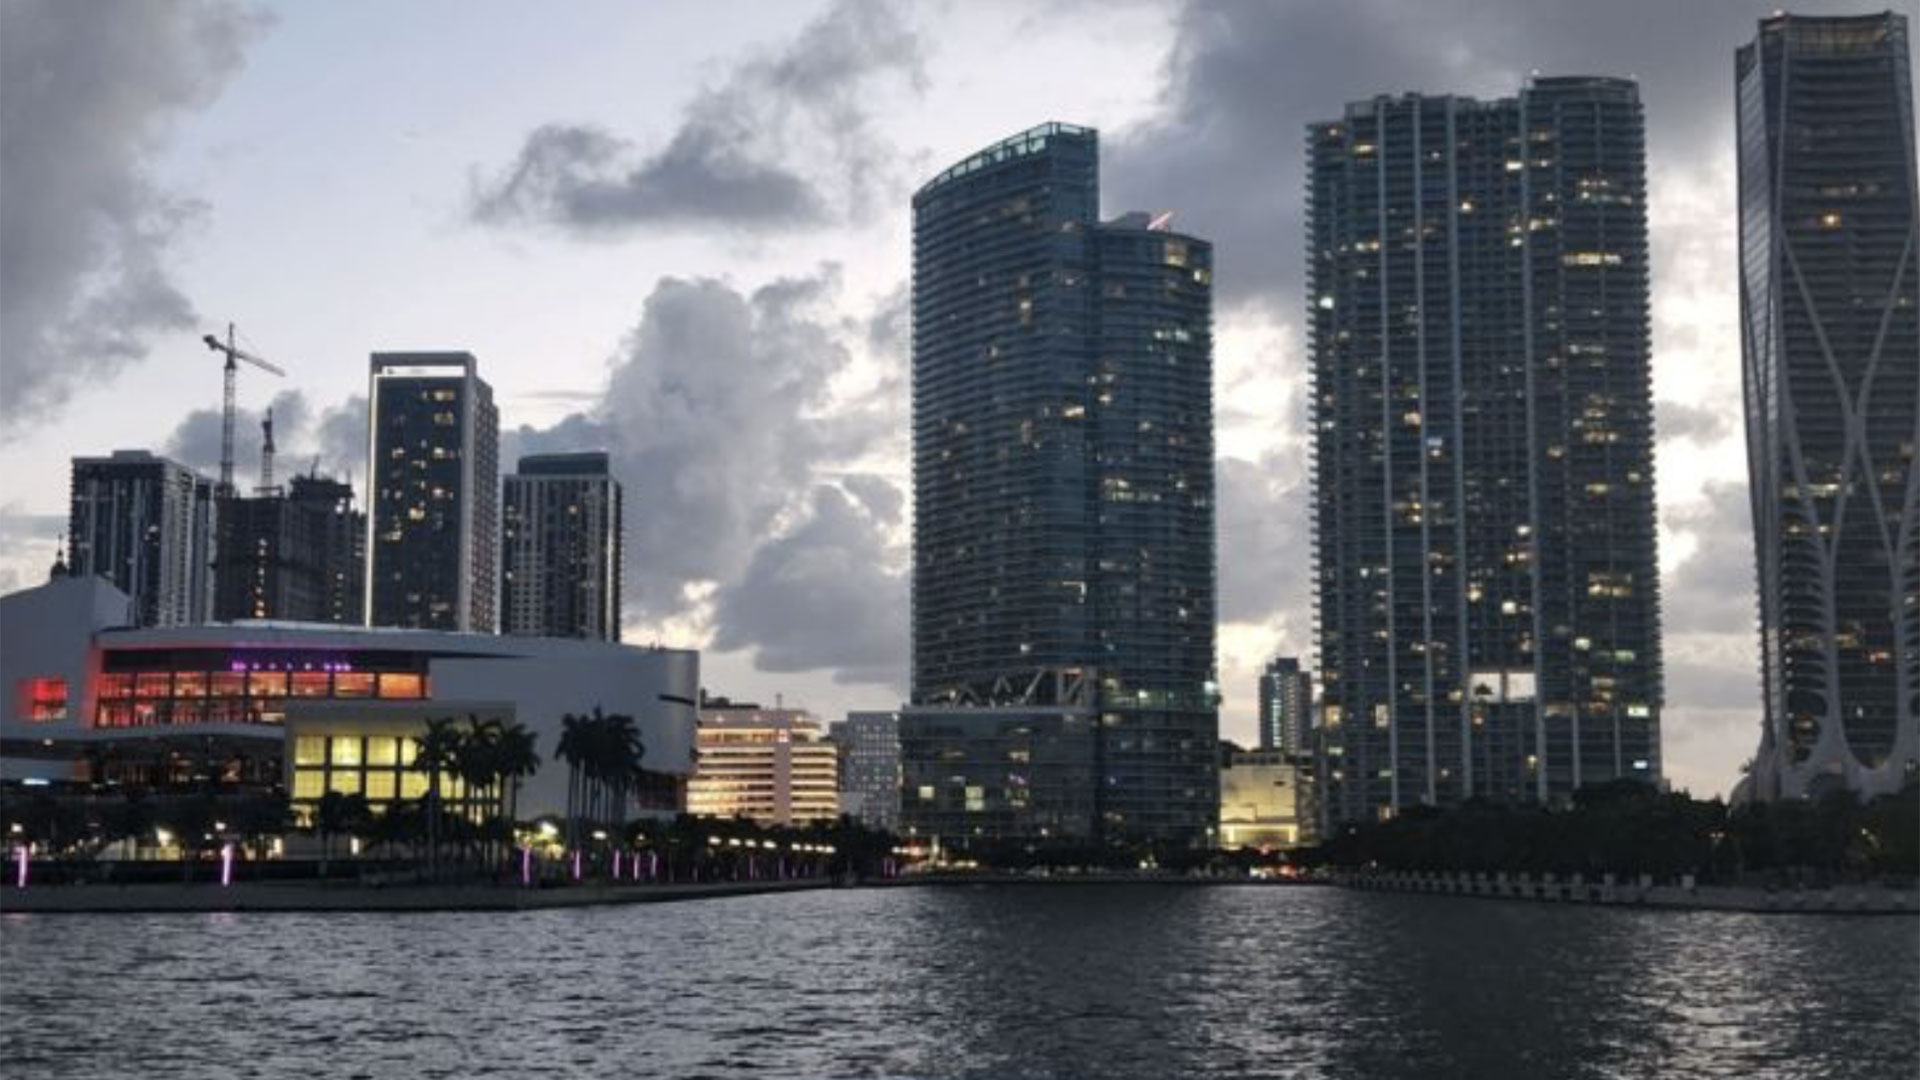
(1642, 892)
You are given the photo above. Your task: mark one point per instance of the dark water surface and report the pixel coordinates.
(1085, 981)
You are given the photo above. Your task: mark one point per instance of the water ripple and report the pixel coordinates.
(1050, 983)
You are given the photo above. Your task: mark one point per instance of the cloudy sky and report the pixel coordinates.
(679, 231)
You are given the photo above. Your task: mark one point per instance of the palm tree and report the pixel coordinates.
(475, 762)
(339, 813)
(437, 747)
(575, 751)
(519, 758)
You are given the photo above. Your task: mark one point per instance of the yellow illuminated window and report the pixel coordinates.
(267, 684)
(189, 684)
(346, 750)
(413, 785)
(380, 785)
(382, 750)
(310, 750)
(309, 784)
(353, 684)
(346, 783)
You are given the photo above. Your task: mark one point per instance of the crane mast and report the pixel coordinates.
(266, 454)
(234, 353)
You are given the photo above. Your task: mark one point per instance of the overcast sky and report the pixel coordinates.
(680, 232)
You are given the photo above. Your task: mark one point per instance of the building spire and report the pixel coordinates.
(60, 570)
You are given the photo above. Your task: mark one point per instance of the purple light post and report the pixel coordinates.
(526, 866)
(226, 865)
(20, 863)
(616, 864)
(576, 866)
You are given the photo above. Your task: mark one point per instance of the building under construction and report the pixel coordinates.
(296, 555)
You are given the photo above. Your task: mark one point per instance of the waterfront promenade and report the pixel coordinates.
(353, 896)
(1861, 899)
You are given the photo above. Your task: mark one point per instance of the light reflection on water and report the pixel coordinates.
(1054, 981)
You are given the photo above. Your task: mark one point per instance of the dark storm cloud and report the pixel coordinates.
(785, 140)
(88, 96)
(1242, 81)
(721, 425)
(827, 594)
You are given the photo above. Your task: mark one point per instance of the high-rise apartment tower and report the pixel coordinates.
(146, 524)
(1286, 706)
(560, 548)
(1063, 473)
(433, 520)
(1488, 608)
(1830, 334)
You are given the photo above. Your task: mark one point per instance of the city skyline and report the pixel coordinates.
(748, 596)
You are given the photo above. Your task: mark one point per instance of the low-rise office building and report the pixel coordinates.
(973, 777)
(1263, 800)
(311, 708)
(869, 745)
(772, 765)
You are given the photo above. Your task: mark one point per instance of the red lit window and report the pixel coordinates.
(115, 687)
(310, 684)
(402, 686)
(46, 699)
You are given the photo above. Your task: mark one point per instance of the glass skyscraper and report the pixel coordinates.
(1830, 334)
(433, 521)
(145, 523)
(1063, 475)
(1286, 706)
(560, 539)
(1488, 604)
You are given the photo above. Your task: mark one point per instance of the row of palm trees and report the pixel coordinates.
(491, 759)
(603, 753)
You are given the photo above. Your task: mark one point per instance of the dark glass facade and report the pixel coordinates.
(146, 524)
(560, 538)
(1830, 335)
(433, 537)
(298, 556)
(1063, 469)
(1488, 608)
(1286, 707)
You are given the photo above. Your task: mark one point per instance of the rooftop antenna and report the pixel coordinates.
(232, 352)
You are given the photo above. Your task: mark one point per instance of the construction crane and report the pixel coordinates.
(266, 454)
(232, 352)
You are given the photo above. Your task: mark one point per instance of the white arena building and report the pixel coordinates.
(312, 707)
